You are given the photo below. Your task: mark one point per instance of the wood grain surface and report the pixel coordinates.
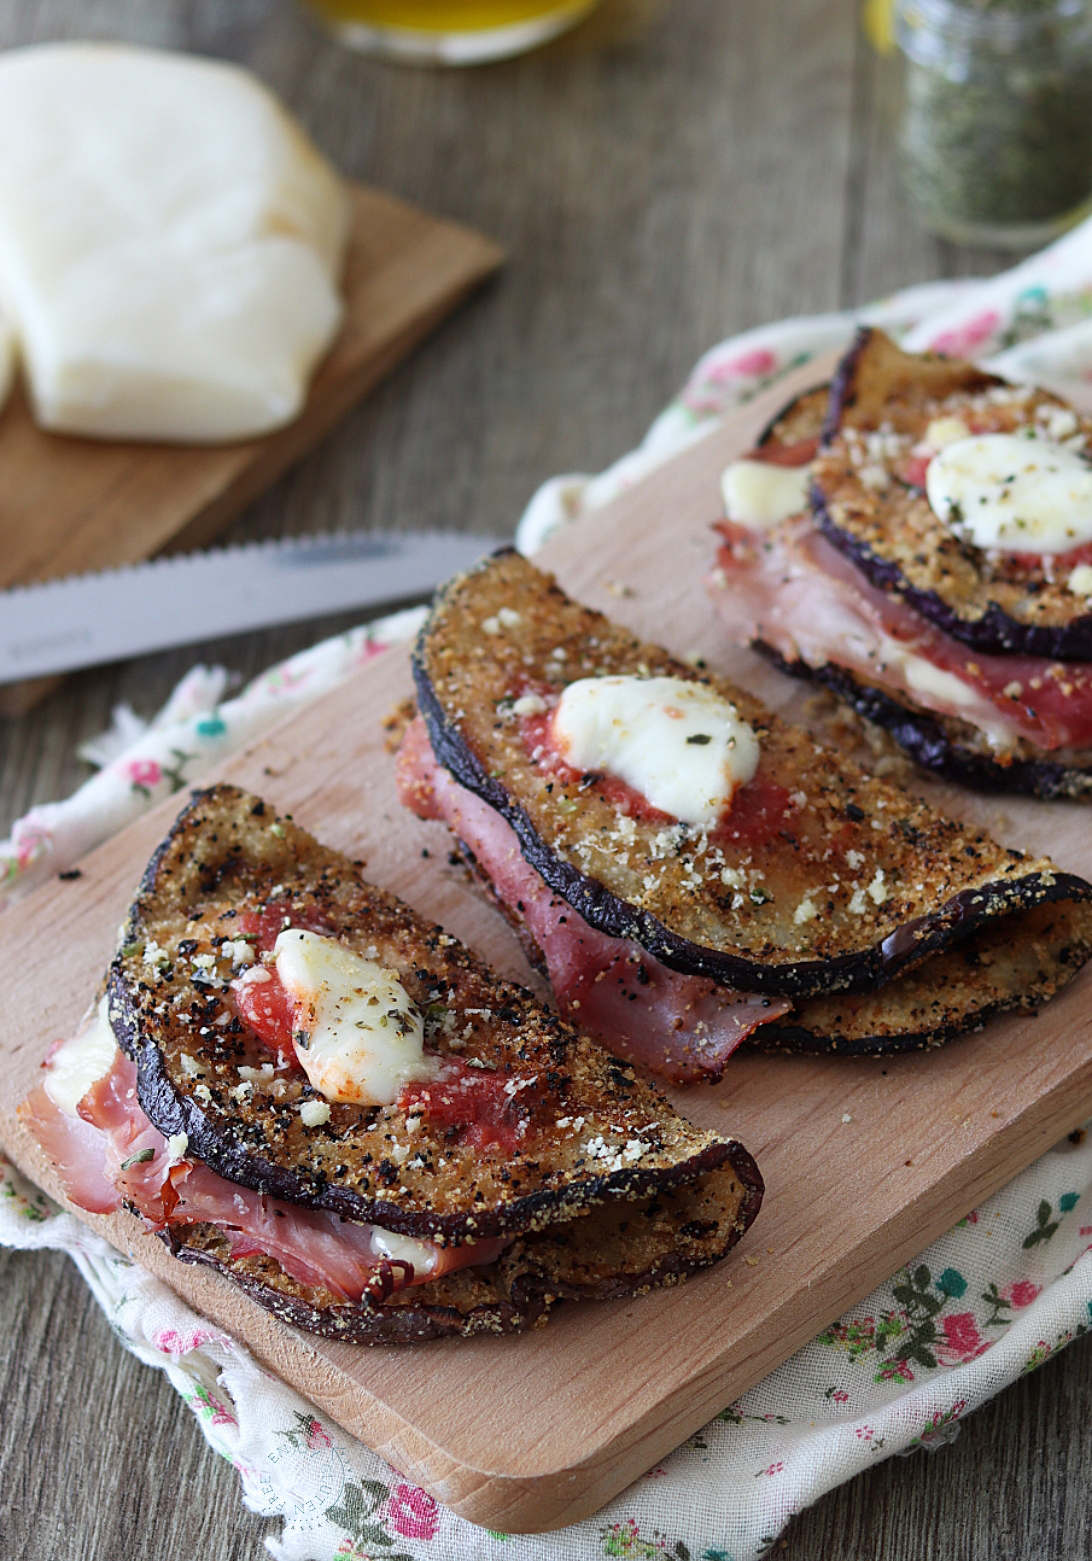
(666, 175)
(865, 1161)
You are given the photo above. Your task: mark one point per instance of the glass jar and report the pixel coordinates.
(449, 32)
(996, 134)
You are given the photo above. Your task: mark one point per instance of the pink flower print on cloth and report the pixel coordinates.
(177, 1344)
(961, 1340)
(760, 360)
(1021, 1293)
(963, 341)
(412, 1512)
(144, 773)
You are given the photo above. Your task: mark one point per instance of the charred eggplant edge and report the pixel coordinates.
(618, 918)
(993, 631)
(529, 1300)
(922, 737)
(172, 1112)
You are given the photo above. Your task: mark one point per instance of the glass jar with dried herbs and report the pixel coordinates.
(996, 133)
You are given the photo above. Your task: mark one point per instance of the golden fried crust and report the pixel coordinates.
(886, 878)
(881, 405)
(592, 1129)
(802, 419)
(994, 971)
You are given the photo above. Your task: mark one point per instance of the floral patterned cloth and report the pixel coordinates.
(1007, 1288)
(1004, 1290)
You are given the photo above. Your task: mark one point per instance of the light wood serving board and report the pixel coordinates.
(68, 505)
(866, 1161)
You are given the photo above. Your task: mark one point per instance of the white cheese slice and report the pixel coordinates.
(390, 1244)
(760, 495)
(682, 746)
(170, 243)
(81, 1062)
(364, 1034)
(1015, 492)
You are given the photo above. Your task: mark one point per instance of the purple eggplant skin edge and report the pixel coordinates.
(364, 1324)
(172, 1112)
(794, 1040)
(861, 972)
(924, 740)
(994, 633)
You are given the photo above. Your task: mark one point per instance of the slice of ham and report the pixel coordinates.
(75, 1149)
(94, 1155)
(682, 1027)
(793, 590)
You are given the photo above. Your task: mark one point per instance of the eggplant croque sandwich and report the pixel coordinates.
(294, 1079)
(930, 563)
(692, 871)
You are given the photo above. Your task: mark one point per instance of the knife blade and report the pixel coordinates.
(85, 620)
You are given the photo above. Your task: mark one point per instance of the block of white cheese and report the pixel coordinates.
(170, 244)
(760, 494)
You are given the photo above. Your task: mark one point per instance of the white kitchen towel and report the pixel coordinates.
(1009, 1286)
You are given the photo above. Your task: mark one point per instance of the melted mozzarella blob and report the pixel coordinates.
(760, 495)
(170, 243)
(81, 1062)
(365, 1035)
(1012, 492)
(682, 746)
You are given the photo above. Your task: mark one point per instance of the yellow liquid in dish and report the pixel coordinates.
(439, 16)
(450, 31)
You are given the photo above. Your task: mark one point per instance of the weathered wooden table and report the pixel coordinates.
(669, 174)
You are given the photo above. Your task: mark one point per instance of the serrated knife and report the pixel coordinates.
(85, 620)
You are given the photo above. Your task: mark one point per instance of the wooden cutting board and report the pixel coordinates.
(866, 1161)
(68, 505)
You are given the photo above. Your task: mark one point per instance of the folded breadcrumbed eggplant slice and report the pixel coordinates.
(611, 1252)
(948, 746)
(991, 972)
(868, 494)
(820, 878)
(527, 1123)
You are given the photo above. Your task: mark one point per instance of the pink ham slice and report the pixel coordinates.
(793, 590)
(682, 1027)
(94, 1156)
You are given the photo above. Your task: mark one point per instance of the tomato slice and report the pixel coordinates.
(265, 1006)
(472, 1104)
(756, 813)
